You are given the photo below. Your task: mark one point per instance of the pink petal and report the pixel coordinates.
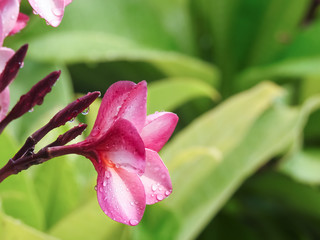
(156, 179)
(20, 24)
(67, 2)
(134, 108)
(51, 10)
(121, 195)
(158, 129)
(4, 102)
(123, 99)
(123, 147)
(9, 10)
(5, 55)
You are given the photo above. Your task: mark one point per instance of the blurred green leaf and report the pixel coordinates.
(17, 192)
(273, 33)
(303, 166)
(15, 229)
(155, 32)
(237, 114)
(87, 222)
(57, 188)
(169, 94)
(86, 46)
(288, 68)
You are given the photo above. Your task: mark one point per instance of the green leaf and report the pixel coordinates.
(208, 130)
(57, 188)
(85, 46)
(15, 229)
(169, 94)
(17, 192)
(288, 68)
(273, 33)
(155, 32)
(303, 166)
(87, 221)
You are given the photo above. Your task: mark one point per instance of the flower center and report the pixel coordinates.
(106, 161)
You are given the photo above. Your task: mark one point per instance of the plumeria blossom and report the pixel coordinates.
(123, 147)
(51, 10)
(11, 20)
(5, 55)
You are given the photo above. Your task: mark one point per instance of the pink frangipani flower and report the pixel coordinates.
(11, 21)
(123, 146)
(51, 10)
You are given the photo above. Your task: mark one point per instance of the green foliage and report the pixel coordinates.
(241, 170)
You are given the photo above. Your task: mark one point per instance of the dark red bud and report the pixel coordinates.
(12, 67)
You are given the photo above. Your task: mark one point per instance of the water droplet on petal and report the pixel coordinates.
(104, 183)
(154, 187)
(35, 12)
(160, 197)
(131, 203)
(31, 110)
(167, 193)
(57, 11)
(95, 187)
(21, 64)
(133, 222)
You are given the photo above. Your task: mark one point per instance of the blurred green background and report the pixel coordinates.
(244, 78)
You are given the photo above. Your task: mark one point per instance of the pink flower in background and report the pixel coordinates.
(11, 20)
(51, 10)
(5, 55)
(123, 148)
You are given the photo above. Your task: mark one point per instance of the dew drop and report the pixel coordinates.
(167, 193)
(95, 187)
(71, 120)
(57, 11)
(31, 110)
(133, 222)
(35, 12)
(154, 187)
(104, 183)
(21, 64)
(131, 203)
(86, 111)
(160, 197)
